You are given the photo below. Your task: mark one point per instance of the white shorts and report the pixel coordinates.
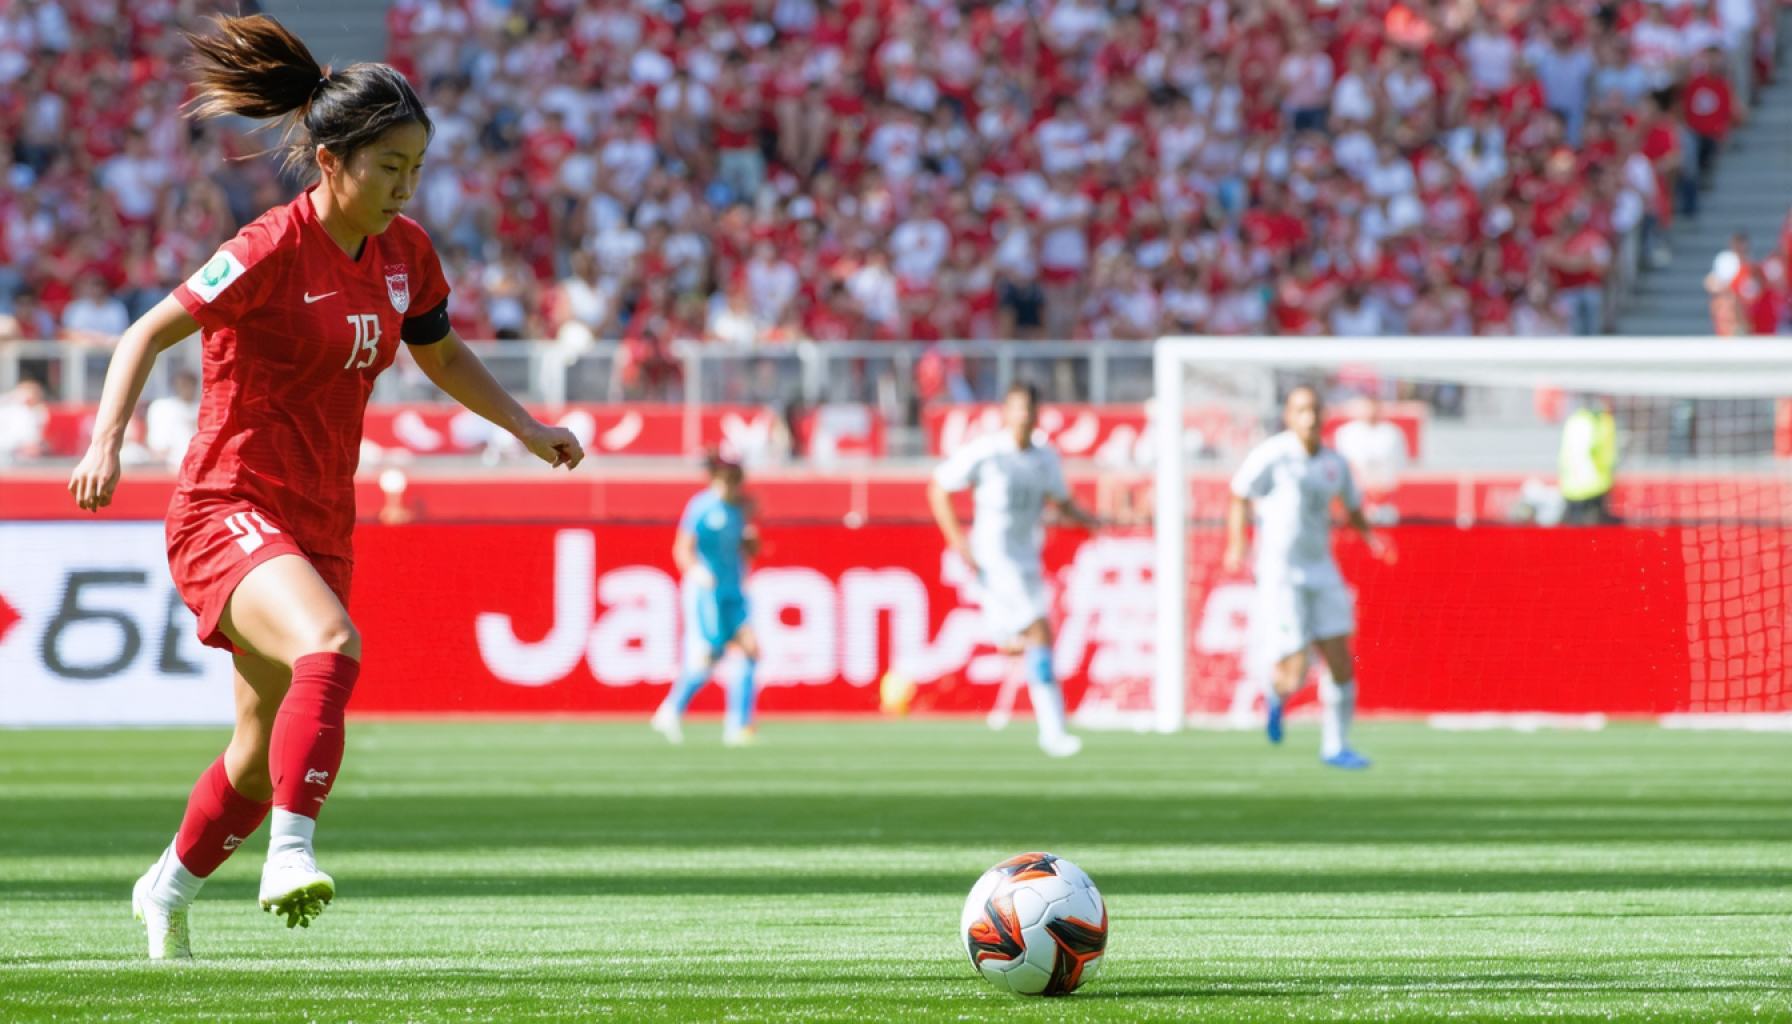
(1012, 597)
(1289, 617)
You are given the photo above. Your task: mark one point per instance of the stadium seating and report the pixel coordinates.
(758, 171)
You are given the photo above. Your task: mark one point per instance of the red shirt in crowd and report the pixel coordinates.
(1710, 106)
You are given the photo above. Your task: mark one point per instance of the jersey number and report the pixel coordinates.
(367, 340)
(247, 528)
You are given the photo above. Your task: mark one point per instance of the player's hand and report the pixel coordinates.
(964, 555)
(94, 479)
(1233, 562)
(556, 446)
(1382, 549)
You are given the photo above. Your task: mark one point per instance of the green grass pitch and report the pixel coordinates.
(585, 871)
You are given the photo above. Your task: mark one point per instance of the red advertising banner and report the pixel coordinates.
(572, 619)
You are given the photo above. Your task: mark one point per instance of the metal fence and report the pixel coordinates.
(893, 377)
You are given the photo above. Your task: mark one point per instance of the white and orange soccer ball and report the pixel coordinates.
(1035, 925)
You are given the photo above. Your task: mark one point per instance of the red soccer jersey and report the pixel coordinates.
(295, 331)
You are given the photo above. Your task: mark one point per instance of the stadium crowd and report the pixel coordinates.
(757, 171)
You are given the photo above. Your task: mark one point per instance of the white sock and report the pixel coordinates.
(1338, 704)
(290, 832)
(1048, 708)
(171, 884)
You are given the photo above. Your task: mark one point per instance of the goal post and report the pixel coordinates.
(1681, 605)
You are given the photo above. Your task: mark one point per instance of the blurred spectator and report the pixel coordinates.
(173, 419)
(1747, 298)
(731, 321)
(1710, 109)
(583, 305)
(23, 417)
(93, 316)
(1374, 448)
(28, 320)
(1578, 259)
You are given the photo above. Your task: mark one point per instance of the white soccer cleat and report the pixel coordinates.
(167, 926)
(999, 719)
(1062, 745)
(293, 887)
(742, 736)
(665, 722)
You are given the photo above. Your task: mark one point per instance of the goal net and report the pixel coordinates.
(1512, 591)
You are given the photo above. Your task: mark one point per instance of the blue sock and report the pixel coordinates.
(744, 692)
(687, 686)
(1042, 686)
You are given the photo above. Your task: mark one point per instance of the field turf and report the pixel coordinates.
(585, 871)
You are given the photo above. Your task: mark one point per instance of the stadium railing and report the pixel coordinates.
(887, 375)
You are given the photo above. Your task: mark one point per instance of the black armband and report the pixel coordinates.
(426, 328)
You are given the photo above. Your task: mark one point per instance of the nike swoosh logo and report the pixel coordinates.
(310, 298)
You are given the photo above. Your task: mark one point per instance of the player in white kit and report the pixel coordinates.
(1288, 484)
(1012, 476)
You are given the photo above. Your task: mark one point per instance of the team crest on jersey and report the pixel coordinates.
(398, 286)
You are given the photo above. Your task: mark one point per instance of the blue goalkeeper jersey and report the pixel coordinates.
(717, 527)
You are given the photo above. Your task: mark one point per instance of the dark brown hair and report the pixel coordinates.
(254, 67)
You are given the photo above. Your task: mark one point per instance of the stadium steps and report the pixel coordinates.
(339, 32)
(1750, 193)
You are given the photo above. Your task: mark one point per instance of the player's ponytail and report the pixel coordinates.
(255, 67)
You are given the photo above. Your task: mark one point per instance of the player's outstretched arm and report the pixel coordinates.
(1238, 519)
(96, 476)
(1379, 546)
(454, 368)
(1069, 511)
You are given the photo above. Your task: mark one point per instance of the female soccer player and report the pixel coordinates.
(1289, 482)
(299, 313)
(1012, 476)
(714, 541)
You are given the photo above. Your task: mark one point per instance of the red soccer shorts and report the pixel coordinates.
(212, 545)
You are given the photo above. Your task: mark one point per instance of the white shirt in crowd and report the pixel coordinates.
(171, 424)
(895, 146)
(1376, 453)
(1291, 494)
(1064, 247)
(1491, 56)
(1352, 99)
(1306, 81)
(21, 427)
(104, 315)
(918, 247)
(1009, 486)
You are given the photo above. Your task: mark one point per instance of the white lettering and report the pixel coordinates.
(551, 658)
(1225, 625)
(796, 620)
(633, 641)
(864, 595)
(1109, 609)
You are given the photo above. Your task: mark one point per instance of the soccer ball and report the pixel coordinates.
(1035, 925)
(895, 692)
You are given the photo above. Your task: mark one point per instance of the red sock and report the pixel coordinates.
(218, 819)
(306, 750)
